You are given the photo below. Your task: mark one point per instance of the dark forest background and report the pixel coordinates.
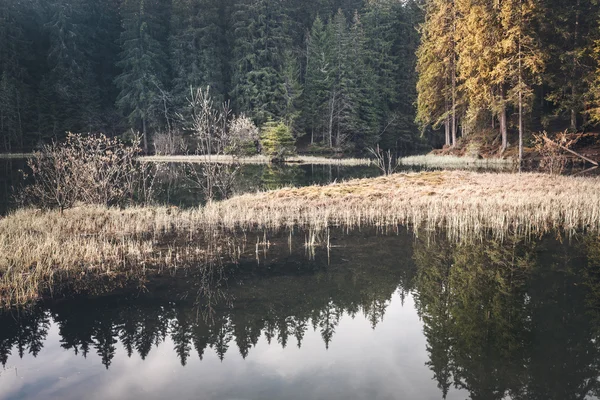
(340, 72)
(343, 74)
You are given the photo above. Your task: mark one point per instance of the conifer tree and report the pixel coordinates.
(317, 80)
(13, 88)
(196, 45)
(523, 62)
(568, 30)
(143, 61)
(260, 39)
(437, 59)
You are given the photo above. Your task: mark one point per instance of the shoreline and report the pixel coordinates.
(259, 159)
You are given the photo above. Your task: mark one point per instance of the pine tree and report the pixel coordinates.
(260, 39)
(14, 91)
(71, 70)
(196, 45)
(143, 61)
(365, 93)
(437, 59)
(293, 90)
(343, 94)
(317, 80)
(523, 62)
(568, 32)
(479, 52)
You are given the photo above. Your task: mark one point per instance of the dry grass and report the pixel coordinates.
(259, 159)
(43, 249)
(455, 162)
(9, 156)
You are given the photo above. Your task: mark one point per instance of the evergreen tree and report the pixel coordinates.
(143, 61)
(196, 44)
(568, 31)
(317, 80)
(14, 90)
(437, 59)
(260, 39)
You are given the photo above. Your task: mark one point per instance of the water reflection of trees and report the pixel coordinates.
(279, 300)
(518, 319)
(512, 318)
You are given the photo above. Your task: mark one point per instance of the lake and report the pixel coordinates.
(372, 316)
(173, 186)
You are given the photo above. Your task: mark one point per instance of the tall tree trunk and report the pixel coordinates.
(573, 113)
(447, 130)
(453, 69)
(331, 112)
(144, 135)
(520, 98)
(574, 70)
(502, 118)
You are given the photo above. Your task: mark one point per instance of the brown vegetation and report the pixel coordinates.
(44, 249)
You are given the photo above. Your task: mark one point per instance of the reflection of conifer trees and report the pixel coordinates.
(247, 331)
(506, 319)
(433, 304)
(201, 337)
(563, 350)
(327, 320)
(223, 336)
(488, 324)
(280, 303)
(76, 326)
(128, 330)
(154, 328)
(182, 334)
(299, 325)
(105, 337)
(26, 331)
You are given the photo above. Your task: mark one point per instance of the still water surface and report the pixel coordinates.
(375, 317)
(172, 185)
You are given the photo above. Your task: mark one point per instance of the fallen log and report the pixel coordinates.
(571, 151)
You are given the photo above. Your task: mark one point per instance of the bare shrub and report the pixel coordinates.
(217, 134)
(553, 159)
(207, 122)
(168, 144)
(215, 180)
(89, 169)
(385, 160)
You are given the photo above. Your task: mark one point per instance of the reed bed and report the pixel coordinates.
(259, 159)
(43, 249)
(455, 162)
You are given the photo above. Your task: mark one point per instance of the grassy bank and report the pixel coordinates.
(457, 162)
(44, 251)
(259, 159)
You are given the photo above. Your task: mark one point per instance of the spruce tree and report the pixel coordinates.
(317, 80)
(143, 61)
(14, 91)
(568, 31)
(196, 47)
(260, 39)
(437, 85)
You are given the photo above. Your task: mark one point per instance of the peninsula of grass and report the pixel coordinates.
(258, 159)
(46, 252)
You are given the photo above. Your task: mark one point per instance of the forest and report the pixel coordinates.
(344, 75)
